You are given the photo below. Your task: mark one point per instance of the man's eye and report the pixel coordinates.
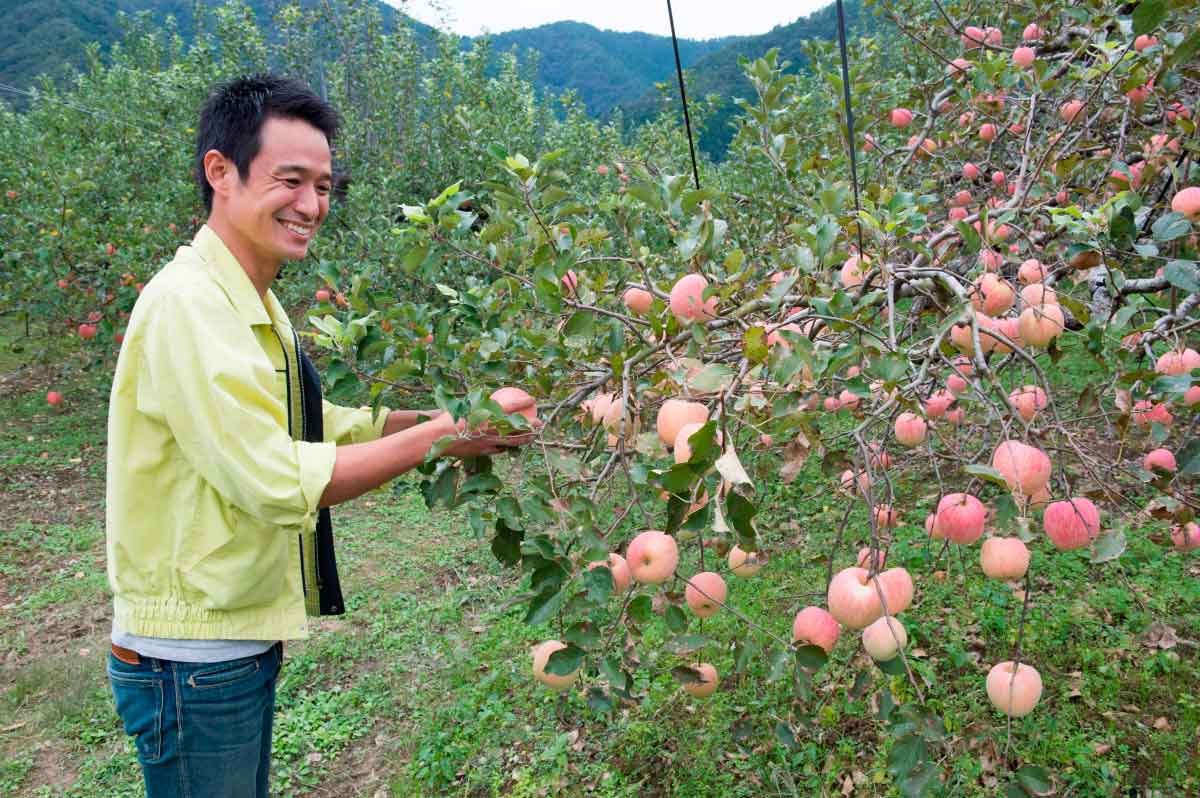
(291, 182)
(323, 189)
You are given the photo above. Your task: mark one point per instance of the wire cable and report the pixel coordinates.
(687, 120)
(841, 17)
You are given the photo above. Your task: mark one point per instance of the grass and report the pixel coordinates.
(423, 688)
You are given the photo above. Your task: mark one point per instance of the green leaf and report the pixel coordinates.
(785, 735)
(1171, 226)
(919, 781)
(610, 669)
(740, 513)
(1184, 274)
(754, 345)
(1035, 780)
(506, 545)
(565, 661)
(640, 609)
(907, 752)
(1109, 545)
(1189, 458)
(598, 700)
(685, 674)
(544, 606)
(711, 378)
(888, 368)
(811, 657)
(1188, 49)
(1148, 15)
(985, 472)
(584, 634)
(687, 644)
(780, 662)
(677, 621)
(599, 583)
(581, 324)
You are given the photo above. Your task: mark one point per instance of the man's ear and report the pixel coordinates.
(220, 172)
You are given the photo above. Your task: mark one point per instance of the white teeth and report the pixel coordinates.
(303, 231)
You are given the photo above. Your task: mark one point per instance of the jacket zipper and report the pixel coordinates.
(287, 374)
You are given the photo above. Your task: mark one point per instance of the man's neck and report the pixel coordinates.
(260, 274)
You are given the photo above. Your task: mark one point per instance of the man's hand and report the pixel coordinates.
(487, 442)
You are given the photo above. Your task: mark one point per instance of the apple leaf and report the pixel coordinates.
(543, 606)
(1036, 781)
(985, 472)
(687, 644)
(686, 674)
(779, 662)
(906, 754)
(731, 468)
(1148, 15)
(598, 700)
(919, 781)
(565, 661)
(1183, 274)
(599, 583)
(785, 735)
(1109, 545)
(811, 657)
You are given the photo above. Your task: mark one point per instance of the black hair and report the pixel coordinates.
(232, 118)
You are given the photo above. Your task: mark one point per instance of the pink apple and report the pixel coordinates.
(884, 638)
(652, 557)
(1071, 524)
(541, 656)
(815, 626)
(744, 563)
(1004, 558)
(960, 517)
(1014, 690)
(852, 598)
(705, 593)
(1160, 460)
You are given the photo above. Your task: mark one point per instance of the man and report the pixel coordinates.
(222, 456)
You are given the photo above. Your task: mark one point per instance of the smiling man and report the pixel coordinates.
(223, 458)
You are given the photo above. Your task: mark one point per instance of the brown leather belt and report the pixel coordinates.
(126, 655)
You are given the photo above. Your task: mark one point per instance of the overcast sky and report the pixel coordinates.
(694, 19)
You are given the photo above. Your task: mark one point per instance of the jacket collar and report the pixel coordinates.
(236, 283)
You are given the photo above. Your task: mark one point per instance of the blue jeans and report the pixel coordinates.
(202, 729)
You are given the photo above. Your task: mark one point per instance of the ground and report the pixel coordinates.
(423, 688)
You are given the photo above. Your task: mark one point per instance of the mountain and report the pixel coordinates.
(606, 68)
(719, 73)
(47, 36)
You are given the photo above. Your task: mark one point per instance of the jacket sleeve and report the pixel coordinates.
(352, 424)
(206, 377)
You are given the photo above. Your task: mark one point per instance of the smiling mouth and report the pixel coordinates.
(304, 231)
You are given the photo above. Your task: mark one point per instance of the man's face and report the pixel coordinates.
(285, 198)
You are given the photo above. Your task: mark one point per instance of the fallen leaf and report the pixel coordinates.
(1162, 724)
(1159, 635)
(794, 456)
(1101, 749)
(848, 785)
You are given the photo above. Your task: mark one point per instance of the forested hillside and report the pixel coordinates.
(719, 72)
(605, 68)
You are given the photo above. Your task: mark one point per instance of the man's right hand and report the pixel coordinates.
(487, 442)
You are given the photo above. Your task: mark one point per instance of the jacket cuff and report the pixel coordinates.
(316, 471)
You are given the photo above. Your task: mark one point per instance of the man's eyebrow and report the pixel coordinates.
(295, 167)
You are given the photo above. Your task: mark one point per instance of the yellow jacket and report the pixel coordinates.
(210, 501)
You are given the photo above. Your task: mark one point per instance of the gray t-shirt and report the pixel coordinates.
(188, 650)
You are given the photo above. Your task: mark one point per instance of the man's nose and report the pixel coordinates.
(308, 202)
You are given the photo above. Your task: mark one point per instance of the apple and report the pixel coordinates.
(705, 593)
(1071, 524)
(815, 626)
(54, 398)
(707, 684)
(1186, 537)
(602, 169)
(513, 396)
(884, 638)
(1160, 460)
(744, 563)
(87, 331)
(324, 295)
(621, 576)
(1004, 558)
(1013, 689)
(541, 655)
(652, 557)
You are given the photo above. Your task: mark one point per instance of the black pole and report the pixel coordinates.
(841, 15)
(687, 120)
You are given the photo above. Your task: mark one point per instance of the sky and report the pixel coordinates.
(694, 19)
